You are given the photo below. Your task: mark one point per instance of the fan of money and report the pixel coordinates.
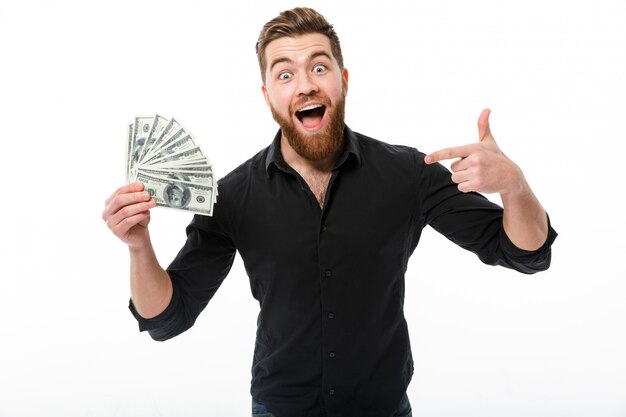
(164, 156)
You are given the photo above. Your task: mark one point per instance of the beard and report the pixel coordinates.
(320, 145)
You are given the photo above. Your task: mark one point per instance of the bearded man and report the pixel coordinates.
(325, 256)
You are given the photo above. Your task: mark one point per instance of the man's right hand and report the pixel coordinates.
(127, 214)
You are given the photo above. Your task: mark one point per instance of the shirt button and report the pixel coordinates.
(331, 315)
(328, 273)
(331, 391)
(331, 354)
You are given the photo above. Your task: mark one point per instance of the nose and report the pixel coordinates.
(307, 85)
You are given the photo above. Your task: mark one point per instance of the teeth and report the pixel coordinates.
(310, 107)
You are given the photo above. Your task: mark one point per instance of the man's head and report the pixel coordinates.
(304, 81)
(293, 23)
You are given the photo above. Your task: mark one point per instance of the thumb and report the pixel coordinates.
(484, 131)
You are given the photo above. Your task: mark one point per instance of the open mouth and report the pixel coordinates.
(311, 116)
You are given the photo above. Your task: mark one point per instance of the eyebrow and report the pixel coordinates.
(290, 61)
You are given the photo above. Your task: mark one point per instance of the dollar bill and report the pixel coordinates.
(140, 130)
(184, 154)
(172, 131)
(156, 129)
(129, 147)
(181, 195)
(180, 175)
(195, 162)
(163, 155)
(179, 168)
(179, 144)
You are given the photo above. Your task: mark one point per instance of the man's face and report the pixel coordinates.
(176, 197)
(305, 90)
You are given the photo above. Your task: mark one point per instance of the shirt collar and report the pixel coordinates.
(275, 159)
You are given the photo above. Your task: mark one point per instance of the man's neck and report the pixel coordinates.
(303, 165)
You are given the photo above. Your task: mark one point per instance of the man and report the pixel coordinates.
(331, 339)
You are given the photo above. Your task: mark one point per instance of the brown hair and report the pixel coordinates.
(294, 22)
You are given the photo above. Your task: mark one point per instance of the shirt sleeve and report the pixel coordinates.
(197, 272)
(474, 223)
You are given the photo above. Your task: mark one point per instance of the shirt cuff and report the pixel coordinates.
(519, 254)
(159, 320)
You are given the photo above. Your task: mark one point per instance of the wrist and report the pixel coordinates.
(139, 247)
(517, 187)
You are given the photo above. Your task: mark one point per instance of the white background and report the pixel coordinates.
(486, 341)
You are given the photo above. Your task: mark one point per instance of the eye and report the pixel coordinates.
(284, 76)
(319, 68)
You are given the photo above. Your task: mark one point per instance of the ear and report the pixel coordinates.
(344, 76)
(265, 95)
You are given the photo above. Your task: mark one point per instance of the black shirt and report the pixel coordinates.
(331, 338)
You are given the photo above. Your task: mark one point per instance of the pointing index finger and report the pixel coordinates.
(449, 153)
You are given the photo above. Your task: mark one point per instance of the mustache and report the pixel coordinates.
(307, 99)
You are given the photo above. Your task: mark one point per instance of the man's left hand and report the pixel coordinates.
(482, 166)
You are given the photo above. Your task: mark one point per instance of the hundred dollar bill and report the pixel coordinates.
(172, 131)
(192, 162)
(166, 158)
(129, 147)
(198, 177)
(174, 146)
(181, 195)
(184, 154)
(141, 129)
(178, 168)
(156, 128)
(184, 180)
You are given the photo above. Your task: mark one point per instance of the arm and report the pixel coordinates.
(483, 167)
(525, 221)
(150, 286)
(167, 303)
(127, 214)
